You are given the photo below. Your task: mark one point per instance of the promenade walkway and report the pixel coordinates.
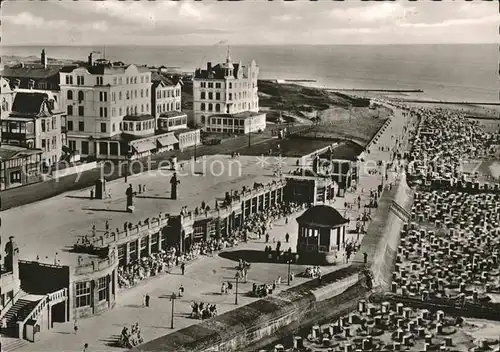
(58, 221)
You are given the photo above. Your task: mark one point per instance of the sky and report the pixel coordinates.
(251, 22)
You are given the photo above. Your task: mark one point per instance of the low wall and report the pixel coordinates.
(268, 318)
(74, 170)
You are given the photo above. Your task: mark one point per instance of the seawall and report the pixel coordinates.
(267, 319)
(383, 233)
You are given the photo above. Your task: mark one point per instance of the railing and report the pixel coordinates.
(57, 295)
(96, 265)
(35, 313)
(10, 303)
(156, 224)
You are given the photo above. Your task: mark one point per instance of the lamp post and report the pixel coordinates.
(127, 165)
(195, 143)
(173, 297)
(288, 276)
(237, 277)
(249, 132)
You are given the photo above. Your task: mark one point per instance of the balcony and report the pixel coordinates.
(18, 136)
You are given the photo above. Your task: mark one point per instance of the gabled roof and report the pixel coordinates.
(31, 71)
(157, 78)
(217, 72)
(10, 152)
(28, 103)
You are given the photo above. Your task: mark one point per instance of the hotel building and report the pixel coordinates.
(35, 122)
(166, 94)
(225, 98)
(108, 105)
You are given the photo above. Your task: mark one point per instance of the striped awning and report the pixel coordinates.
(143, 146)
(167, 140)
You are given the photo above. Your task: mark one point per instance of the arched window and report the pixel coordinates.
(135, 110)
(128, 111)
(142, 93)
(202, 106)
(142, 107)
(210, 95)
(217, 107)
(210, 107)
(203, 119)
(70, 95)
(80, 95)
(171, 106)
(147, 107)
(202, 95)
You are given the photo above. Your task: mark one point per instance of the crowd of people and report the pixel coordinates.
(259, 223)
(161, 262)
(132, 337)
(203, 310)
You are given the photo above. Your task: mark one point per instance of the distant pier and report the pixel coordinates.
(378, 90)
(447, 102)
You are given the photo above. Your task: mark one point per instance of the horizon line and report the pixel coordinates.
(239, 44)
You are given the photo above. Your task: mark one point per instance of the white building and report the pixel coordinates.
(226, 89)
(98, 97)
(166, 94)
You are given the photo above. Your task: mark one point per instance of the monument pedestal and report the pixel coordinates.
(130, 208)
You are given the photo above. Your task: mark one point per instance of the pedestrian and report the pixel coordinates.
(92, 194)
(287, 237)
(144, 188)
(146, 299)
(320, 279)
(267, 237)
(85, 347)
(181, 291)
(183, 268)
(286, 220)
(107, 225)
(75, 327)
(365, 255)
(140, 189)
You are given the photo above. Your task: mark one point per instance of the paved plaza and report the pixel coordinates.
(52, 225)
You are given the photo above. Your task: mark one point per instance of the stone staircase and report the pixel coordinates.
(21, 309)
(9, 344)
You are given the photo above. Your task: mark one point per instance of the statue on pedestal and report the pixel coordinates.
(173, 185)
(130, 198)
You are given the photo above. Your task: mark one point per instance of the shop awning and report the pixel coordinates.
(143, 146)
(167, 140)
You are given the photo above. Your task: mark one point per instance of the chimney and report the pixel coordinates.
(91, 60)
(43, 59)
(209, 66)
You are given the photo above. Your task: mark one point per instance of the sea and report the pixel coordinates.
(453, 72)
